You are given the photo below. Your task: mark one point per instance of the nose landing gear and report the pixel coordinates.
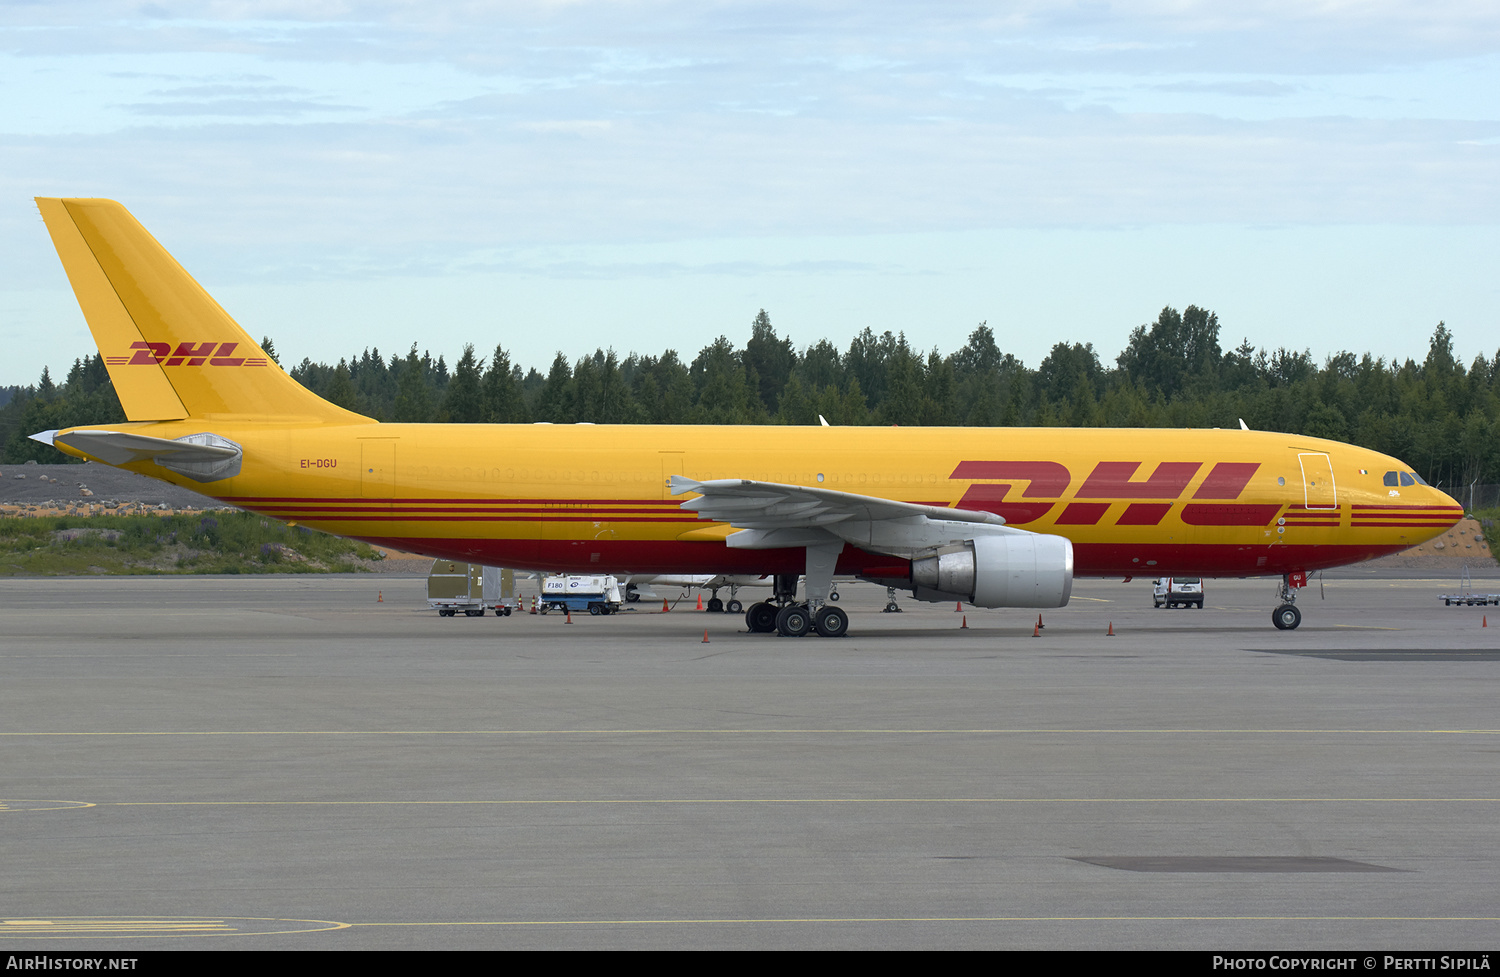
(1287, 617)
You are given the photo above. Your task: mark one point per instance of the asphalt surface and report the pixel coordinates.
(286, 763)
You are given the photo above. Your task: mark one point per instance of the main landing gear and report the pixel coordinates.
(733, 605)
(790, 618)
(1287, 617)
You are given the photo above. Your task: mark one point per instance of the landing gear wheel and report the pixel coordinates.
(792, 621)
(761, 618)
(833, 595)
(892, 608)
(714, 605)
(734, 606)
(831, 622)
(1286, 617)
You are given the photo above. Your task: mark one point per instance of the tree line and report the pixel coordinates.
(1437, 414)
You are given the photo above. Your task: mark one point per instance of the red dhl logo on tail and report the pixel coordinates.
(1048, 481)
(186, 354)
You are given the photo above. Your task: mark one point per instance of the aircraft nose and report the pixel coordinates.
(1441, 498)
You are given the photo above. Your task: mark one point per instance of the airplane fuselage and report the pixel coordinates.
(586, 497)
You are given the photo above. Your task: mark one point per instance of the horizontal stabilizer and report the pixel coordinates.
(201, 457)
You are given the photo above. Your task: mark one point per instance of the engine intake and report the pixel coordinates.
(1013, 570)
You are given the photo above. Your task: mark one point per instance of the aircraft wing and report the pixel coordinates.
(769, 514)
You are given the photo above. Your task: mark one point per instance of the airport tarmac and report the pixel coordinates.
(283, 762)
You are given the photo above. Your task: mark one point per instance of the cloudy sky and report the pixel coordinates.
(639, 175)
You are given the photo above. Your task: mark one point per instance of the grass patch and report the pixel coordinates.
(224, 542)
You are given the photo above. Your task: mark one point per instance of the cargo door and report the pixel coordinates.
(1317, 480)
(377, 469)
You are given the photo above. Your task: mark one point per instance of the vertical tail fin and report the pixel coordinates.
(171, 351)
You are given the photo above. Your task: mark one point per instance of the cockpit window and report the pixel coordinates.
(1390, 479)
(1420, 480)
(1407, 479)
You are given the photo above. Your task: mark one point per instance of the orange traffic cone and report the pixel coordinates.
(1111, 632)
(705, 635)
(1039, 624)
(570, 617)
(964, 626)
(664, 607)
(700, 601)
(958, 606)
(1484, 621)
(1036, 632)
(380, 597)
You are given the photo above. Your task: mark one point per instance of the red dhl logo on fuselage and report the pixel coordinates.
(1114, 481)
(186, 354)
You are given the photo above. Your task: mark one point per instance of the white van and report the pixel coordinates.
(1172, 591)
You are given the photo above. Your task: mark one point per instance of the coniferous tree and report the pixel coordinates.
(769, 360)
(463, 403)
(504, 398)
(413, 392)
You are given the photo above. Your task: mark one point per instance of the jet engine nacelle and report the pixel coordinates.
(1013, 570)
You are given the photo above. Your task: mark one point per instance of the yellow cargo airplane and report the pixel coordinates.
(998, 517)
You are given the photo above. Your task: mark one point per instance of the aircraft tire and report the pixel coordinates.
(831, 622)
(761, 618)
(714, 605)
(833, 595)
(1286, 617)
(793, 621)
(734, 607)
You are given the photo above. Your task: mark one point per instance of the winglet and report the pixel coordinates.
(1243, 425)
